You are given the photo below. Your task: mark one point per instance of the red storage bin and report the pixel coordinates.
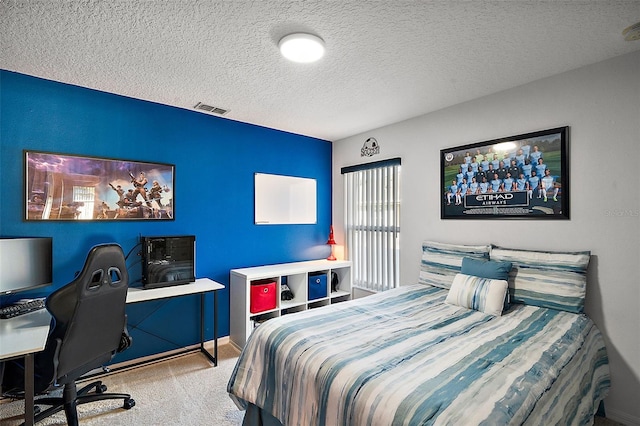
(263, 296)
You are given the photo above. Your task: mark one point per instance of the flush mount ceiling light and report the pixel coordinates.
(301, 47)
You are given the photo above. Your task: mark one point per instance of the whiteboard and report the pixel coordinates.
(284, 200)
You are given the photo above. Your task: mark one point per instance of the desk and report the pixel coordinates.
(200, 286)
(23, 336)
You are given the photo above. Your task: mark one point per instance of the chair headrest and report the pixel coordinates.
(105, 266)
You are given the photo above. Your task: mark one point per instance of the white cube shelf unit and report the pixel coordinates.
(296, 276)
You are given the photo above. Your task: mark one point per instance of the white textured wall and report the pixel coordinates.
(601, 104)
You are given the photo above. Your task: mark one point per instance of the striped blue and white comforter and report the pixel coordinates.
(404, 357)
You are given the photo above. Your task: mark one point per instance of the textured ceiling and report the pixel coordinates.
(386, 61)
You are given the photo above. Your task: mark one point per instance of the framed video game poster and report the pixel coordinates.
(75, 188)
(522, 177)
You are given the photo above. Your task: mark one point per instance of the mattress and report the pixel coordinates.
(405, 357)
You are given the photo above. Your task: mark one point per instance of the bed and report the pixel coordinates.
(430, 353)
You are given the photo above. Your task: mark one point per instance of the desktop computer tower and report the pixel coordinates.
(168, 260)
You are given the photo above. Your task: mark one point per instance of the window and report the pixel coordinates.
(372, 223)
(84, 199)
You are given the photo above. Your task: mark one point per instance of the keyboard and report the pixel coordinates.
(21, 307)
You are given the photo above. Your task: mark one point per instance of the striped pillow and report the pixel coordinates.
(556, 280)
(477, 293)
(441, 262)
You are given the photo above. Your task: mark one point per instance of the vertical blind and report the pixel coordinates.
(372, 223)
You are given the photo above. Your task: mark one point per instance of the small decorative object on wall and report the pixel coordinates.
(71, 187)
(523, 176)
(370, 148)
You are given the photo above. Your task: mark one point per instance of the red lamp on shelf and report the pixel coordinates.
(331, 242)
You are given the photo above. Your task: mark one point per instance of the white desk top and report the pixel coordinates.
(28, 333)
(24, 334)
(201, 285)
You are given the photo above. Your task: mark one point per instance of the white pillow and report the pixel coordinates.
(477, 293)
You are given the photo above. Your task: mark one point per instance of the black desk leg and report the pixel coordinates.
(215, 328)
(213, 358)
(28, 389)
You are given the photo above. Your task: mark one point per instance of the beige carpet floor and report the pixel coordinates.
(181, 391)
(185, 390)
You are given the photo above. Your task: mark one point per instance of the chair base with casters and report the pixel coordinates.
(71, 398)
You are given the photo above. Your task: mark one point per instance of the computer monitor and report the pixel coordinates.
(25, 263)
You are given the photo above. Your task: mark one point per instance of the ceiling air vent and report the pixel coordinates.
(211, 109)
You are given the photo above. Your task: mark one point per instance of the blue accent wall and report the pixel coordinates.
(215, 160)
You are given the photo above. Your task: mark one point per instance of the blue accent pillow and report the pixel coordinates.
(491, 269)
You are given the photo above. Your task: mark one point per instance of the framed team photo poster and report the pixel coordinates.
(524, 176)
(75, 188)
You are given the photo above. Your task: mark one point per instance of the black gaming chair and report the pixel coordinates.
(88, 328)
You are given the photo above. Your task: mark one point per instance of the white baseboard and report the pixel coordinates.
(624, 418)
(233, 345)
(221, 341)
